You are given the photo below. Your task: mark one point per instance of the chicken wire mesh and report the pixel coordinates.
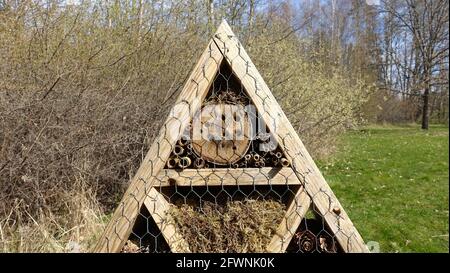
(227, 185)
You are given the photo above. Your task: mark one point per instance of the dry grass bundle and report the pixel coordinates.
(238, 226)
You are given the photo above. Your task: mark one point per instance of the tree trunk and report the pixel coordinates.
(251, 13)
(425, 112)
(210, 11)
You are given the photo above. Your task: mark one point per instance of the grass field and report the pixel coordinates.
(394, 184)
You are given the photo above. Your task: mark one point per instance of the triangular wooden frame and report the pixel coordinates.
(314, 190)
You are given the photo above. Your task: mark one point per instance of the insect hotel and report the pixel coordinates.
(228, 173)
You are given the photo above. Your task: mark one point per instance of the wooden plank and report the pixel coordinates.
(227, 177)
(189, 101)
(302, 163)
(290, 223)
(159, 208)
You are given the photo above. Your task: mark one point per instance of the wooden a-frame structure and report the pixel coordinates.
(313, 189)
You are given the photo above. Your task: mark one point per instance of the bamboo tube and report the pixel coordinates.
(256, 157)
(284, 162)
(184, 162)
(182, 142)
(178, 150)
(172, 162)
(262, 163)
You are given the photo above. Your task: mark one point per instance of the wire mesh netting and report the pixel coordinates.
(227, 185)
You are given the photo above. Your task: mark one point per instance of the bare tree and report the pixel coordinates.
(426, 22)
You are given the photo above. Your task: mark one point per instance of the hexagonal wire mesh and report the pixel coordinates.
(226, 184)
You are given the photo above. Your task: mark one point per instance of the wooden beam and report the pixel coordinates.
(277, 122)
(159, 208)
(227, 177)
(189, 101)
(290, 223)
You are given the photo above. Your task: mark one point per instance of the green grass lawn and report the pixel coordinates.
(394, 184)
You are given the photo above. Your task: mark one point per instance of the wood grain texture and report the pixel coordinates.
(227, 177)
(189, 101)
(288, 227)
(225, 134)
(277, 122)
(159, 208)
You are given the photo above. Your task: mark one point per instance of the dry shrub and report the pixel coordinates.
(74, 230)
(79, 104)
(393, 109)
(237, 227)
(54, 153)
